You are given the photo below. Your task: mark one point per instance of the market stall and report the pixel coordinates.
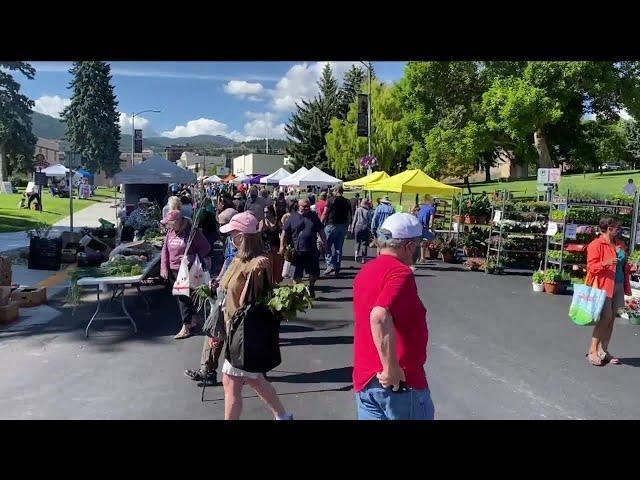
(275, 177)
(128, 266)
(292, 179)
(316, 178)
(213, 179)
(364, 181)
(151, 178)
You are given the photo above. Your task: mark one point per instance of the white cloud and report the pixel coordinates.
(263, 124)
(201, 126)
(140, 123)
(301, 82)
(51, 105)
(259, 126)
(245, 90)
(123, 71)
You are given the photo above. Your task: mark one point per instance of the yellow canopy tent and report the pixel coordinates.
(362, 182)
(413, 181)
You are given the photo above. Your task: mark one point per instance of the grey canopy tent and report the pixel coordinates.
(151, 178)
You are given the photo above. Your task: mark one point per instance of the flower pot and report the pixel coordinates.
(433, 253)
(448, 257)
(482, 219)
(538, 287)
(458, 218)
(470, 219)
(553, 288)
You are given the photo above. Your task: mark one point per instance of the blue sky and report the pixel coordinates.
(242, 100)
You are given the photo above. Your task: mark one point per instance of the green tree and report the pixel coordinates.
(351, 87)
(93, 128)
(601, 141)
(440, 102)
(540, 98)
(308, 126)
(389, 141)
(16, 139)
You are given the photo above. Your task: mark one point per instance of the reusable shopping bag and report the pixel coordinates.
(586, 304)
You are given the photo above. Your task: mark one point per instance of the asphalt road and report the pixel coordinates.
(496, 351)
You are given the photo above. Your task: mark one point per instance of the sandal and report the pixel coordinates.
(599, 363)
(184, 333)
(608, 358)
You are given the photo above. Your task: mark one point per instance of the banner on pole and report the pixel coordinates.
(363, 108)
(137, 141)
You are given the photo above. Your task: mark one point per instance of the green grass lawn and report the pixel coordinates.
(14, 219)
(609, 183)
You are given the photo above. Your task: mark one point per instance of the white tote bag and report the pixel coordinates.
(182, 284)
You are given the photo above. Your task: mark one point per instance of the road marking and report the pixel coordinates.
(522, 389)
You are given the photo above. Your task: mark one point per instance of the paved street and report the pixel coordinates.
(496, 351)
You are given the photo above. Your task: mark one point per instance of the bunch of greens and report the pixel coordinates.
(288, 300)
(114, 268)
(201, 296)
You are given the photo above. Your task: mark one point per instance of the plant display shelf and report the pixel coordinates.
(513, 260)
(568, 206)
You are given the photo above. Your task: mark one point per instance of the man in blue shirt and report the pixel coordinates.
(425, 217)
(382, 211)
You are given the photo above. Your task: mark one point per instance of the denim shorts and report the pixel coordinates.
(378, 403)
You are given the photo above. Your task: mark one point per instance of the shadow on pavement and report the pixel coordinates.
(631, 362)
(338, 340)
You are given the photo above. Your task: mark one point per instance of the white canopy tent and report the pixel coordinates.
(241, 179)
(317, 178)
(56, 171)
(213, 179)
(292, 179)
(275, 177)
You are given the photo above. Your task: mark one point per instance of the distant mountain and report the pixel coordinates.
(54, 129)
(45, 126)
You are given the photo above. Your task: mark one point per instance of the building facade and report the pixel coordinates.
(257, 163)
(49, 149)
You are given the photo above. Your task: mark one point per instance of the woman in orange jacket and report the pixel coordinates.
(608, 270)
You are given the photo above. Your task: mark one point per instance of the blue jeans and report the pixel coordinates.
(335, 241)
(378, 403)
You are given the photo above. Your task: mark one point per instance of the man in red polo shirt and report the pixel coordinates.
(390, 339)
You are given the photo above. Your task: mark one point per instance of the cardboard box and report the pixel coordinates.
(10, 312)
(92, 243)
(5, 271)
(29, 296)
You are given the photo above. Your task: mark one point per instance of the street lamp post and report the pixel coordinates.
(133, 131)
(368, 67)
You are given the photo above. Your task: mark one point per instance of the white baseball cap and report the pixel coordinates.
(402, 226)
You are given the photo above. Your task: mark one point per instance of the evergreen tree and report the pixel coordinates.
(16, 139)
(351, 87)
(92, 120)
(308, 126)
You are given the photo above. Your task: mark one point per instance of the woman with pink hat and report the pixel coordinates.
(249, 263)
(174, 248)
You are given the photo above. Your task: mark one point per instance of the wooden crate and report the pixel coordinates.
(29, 296)
(10, 312)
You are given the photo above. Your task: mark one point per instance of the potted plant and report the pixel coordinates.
(494, 266)
(631, 311)
(469, 213)
(537, 281)
(433, 248)
(552, 281)
(448, 250)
